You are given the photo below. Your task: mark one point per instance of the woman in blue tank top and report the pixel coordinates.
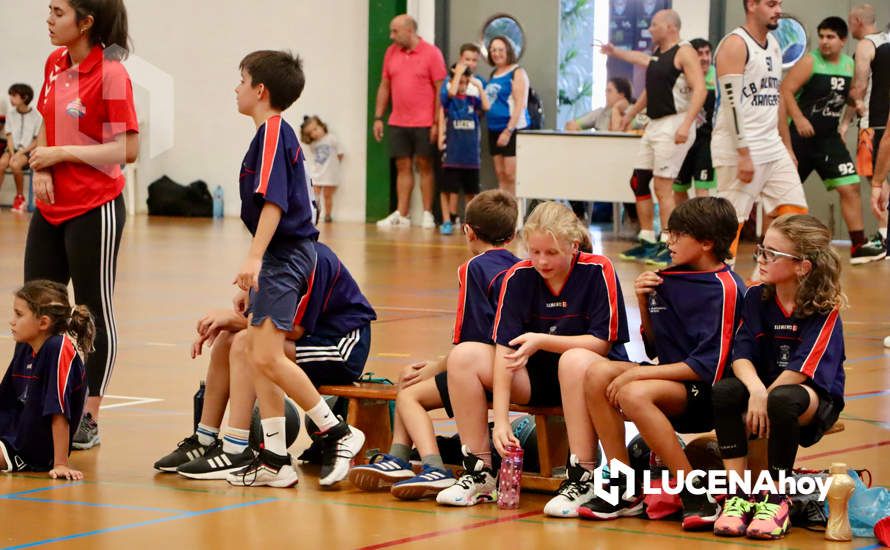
(508, 93)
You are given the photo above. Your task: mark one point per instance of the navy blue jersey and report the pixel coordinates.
(333, 304)
(775, 340)
(35, 388)
(274, 170)
(694, 316)
(590, 302)
(480, 286)
(462, 131)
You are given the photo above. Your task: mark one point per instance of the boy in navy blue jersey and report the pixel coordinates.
(277, 210)
(788, 367)
(558, 300)
(43, 393)
(689, 312)
(329, 341)
(490, 225)
(460, 162)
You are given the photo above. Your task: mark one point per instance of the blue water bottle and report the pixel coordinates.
(218, 205)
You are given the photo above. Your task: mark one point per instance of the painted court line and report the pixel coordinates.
(434, 534)
(847, 450)
(865, 395)
(41, 489)
(99, 505)
(124, 527)
(130, 401)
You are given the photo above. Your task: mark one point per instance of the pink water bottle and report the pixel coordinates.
(509, 479)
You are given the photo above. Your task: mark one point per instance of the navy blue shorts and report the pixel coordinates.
(334, 361)
(284, 280)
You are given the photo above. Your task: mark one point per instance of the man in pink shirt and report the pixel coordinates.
(413, 71)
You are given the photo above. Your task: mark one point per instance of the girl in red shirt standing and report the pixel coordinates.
(90, 130)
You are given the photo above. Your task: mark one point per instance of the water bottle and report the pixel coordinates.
(218, 205)
(842, 486)
(509, 479)
(198, 405)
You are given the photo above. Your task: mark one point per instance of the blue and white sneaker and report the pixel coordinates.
(429, 480)
(382, 471)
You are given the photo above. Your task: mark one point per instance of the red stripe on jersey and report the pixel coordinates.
(811, 363)
(525, 264)
(727, 320)
(67, 353)
(461, 301)
(304, 300)
(611, 287)
(270, 147)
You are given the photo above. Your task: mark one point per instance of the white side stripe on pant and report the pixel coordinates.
(106, 278)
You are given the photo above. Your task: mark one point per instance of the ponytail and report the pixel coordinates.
(83, 328)
(110, 29)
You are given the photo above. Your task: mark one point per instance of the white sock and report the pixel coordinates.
(273, 435)
(883, 232)
(206, 434)
(323, 416)
(647, 235)
(664, 237)
(235, 440)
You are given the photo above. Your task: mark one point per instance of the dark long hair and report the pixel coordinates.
(51, 299)
(109, 25)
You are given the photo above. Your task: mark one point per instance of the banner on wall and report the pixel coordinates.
(629, 29)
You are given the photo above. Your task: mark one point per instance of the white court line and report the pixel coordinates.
(131, 401)
(161, 344)
(415, 309)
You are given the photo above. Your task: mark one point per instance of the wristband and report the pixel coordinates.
(731, 86)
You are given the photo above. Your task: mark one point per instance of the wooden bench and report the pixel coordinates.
(369, 411)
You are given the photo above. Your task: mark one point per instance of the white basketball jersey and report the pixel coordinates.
(758, 106)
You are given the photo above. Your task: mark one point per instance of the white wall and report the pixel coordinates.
(200, 44)
(695, 17)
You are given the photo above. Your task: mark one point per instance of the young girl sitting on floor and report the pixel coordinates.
(43, 393)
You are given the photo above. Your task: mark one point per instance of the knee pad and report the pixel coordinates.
(639, 183)
(729, 396)
(787, 403)
(791, 209)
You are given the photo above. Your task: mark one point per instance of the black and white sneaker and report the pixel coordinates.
(700, 512)
(574, 491)
(339, 447)
(267, 468)
(478, 484)
(186, 450)
(600, 509)
(216, 463)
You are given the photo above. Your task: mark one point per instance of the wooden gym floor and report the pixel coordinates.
(172, 270)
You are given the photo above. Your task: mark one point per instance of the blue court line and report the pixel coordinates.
(100, 505)
(124, 527)
(868, 358)
(41, 489)
(871, 547)
(867, 395)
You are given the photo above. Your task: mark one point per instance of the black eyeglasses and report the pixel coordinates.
(769, 255)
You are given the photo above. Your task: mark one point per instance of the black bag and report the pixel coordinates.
(534, 106)
(168, 198)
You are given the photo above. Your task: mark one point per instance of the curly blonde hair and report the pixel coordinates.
(819, 290)
(558, 221)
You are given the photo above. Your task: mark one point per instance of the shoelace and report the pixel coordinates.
(572, 489)
(468, 479)
(737, 507)
(765, 510)
(252, 468)
(190, 440)
(332, 450)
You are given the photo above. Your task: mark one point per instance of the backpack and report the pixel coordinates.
(168, 198)
(534, 106)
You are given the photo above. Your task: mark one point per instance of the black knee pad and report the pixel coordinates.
(787, 403)
(639, 183)
(729, 396)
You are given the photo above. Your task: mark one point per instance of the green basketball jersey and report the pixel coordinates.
(823, 97)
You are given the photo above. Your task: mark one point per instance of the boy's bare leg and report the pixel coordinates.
(216, 390)
(272, 367)
(648, 404)
(412, 405)
(470, 369)
(573, 366)
(607, 420)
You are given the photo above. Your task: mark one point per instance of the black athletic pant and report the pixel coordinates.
(84, 251)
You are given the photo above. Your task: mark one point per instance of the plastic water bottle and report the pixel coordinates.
(842, 486)
(198, 405)
(509, 479)
(218, 205)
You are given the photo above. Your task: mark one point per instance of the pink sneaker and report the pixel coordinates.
(737, 514)
(18, 205)
(771, 518)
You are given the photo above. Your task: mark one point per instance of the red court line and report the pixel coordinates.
(865, 392)
(433, 534)
(847, 450)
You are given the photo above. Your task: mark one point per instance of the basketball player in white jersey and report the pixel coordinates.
(751, 145)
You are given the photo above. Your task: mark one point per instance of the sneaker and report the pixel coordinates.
(640, 252)
(215, 463)
(429, 480)
(266, 468)
(340, 444)
(600, 509)
(447, 228)
(772, 518)
(186, 450)
(18, 205)
(738, 511)
(87, 435)
(428, 221)
(394, 220)
(661, 258)
(328, 219)
(700, 512)
(871, 251)
(573, 492)
(478, 484)
(381, 471)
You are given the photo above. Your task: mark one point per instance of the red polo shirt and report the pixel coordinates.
(89, 104)
(412, 75)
